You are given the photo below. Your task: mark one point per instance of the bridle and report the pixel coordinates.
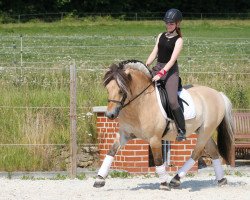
(125, 97)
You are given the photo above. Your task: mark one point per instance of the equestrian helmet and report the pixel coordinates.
(172, 15)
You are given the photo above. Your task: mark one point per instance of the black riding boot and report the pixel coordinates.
(180, 124)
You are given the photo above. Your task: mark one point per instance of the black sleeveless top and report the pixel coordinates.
(166, 48)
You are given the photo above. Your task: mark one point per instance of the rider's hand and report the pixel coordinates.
(156, 78)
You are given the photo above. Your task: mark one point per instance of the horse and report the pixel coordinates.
(132, 98)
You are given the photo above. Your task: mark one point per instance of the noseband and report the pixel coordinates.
(125, 97)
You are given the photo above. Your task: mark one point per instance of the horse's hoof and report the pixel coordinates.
(99, 182)
(165, 186)
(175, 182)
(223, 181)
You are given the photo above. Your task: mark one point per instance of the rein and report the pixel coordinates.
(125, 96)
(137, 95)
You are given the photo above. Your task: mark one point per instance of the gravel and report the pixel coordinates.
(201, 186)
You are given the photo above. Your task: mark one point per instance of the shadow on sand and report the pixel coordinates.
(191, 185)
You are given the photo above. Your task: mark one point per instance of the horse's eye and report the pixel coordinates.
(120, 92)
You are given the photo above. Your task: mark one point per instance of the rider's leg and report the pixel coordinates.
(171, 86)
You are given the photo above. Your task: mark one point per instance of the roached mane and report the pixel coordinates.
(117, 72)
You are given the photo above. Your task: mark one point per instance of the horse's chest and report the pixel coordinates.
(129, 129)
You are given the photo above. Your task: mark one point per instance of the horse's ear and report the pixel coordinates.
(126, 71)
(128, 74)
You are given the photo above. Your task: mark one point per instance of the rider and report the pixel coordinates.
(167, 49)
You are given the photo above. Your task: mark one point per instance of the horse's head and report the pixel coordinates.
(118, 81)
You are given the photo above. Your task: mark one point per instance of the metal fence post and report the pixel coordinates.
(21, 51)
(73, 128)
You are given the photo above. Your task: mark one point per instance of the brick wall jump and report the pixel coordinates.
(134, 157)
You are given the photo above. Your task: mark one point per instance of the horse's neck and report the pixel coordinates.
(140, 82)
(141, 98)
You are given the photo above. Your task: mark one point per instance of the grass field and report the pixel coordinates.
(34, 90)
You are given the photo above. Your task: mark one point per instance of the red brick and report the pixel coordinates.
(128, 164)
(181, 152)
(110, 120)
(110, 141)
(101, 135)
(103, 141)
(103, 130)
(141, 153)
(193, 136)
(110, 124)
(145, 147)
(116, 130)
(115, 124)
(141, 164)
(188, 141)
(133, 147)
(103, 119)
(178, 163)
(194, 142)
(118, 164)
(127, 153)
(101, 146)
(145, 169)
(134, 169)
(151, 169)
(132, 158)
(177, 158)
(103, 151)
(172, 169)
(140, 141)
(102, 156)
(100, 124)
(117, 158)
(100, 114)
(173, 147)
(190, 146)
(145, 158)
(110, 130)
(131, 142)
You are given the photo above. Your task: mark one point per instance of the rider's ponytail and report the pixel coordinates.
(178, 30)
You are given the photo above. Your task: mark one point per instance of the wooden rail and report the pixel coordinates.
(241, 148)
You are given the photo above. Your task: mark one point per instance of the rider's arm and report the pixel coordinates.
(154, 53)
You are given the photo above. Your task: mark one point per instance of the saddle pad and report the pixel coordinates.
(189, 110)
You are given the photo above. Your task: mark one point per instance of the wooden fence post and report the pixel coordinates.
(73, 129)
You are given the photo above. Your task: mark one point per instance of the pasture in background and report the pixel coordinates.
(34, 77)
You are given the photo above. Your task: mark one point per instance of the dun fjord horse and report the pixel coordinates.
(132, 98)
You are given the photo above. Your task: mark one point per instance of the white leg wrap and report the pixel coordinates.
(104, 169)
(161, 171)
(187, 166)
(219, 172)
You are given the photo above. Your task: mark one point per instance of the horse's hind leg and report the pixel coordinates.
(204, 136)
(160, 168)
(212, 150)
(104, 169)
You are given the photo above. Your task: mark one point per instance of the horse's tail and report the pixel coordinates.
(225, 138)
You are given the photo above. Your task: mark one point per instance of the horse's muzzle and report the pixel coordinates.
(112, 114)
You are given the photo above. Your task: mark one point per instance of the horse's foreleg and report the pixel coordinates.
(212, 150)
(160, 167)
(107, 162)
